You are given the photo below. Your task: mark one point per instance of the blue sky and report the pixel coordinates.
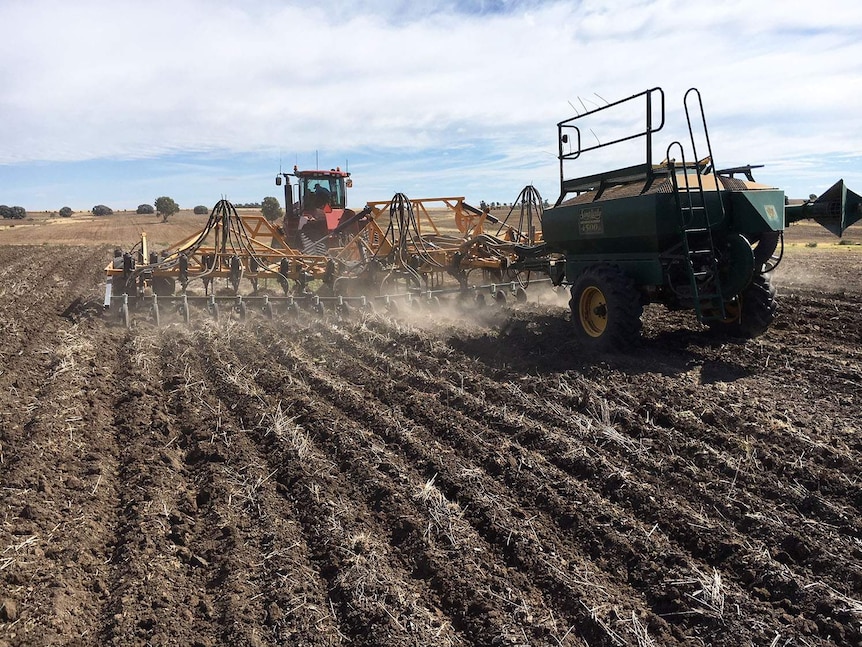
(119, 102)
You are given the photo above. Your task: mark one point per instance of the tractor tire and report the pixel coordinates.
(752, 313)
(606, 309)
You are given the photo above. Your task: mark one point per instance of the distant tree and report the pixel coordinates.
(145, 208)
(166, 207)
(271, 209)
(5, 211)
(102, 210)
(201, 210)
(66, 212)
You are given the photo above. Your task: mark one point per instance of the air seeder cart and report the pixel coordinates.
(682, 233)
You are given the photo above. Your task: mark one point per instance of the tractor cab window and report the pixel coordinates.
(335, 186)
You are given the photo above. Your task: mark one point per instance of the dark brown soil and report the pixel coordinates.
(468, 478)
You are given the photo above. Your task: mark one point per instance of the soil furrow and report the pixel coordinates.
(415, 539)
(374, 604)
(59, 493)
(407, 436)
(154, 582)
(553, 499)
(728, 551)
(244, 531)
(732, 472)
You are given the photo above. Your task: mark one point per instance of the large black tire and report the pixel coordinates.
(606, 309)
(752, 313)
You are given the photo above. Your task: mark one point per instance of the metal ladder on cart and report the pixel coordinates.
(698, 243)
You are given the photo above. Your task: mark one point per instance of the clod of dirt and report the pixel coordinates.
(9, 610)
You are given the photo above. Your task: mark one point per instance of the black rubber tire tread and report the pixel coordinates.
(757, 306)
(624, 308)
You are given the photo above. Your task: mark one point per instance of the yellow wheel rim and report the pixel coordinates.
(593, 311)
(732, 310)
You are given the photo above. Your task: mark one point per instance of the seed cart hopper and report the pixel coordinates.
(681, 233)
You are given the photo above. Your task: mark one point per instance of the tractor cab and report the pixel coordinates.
(317, 191)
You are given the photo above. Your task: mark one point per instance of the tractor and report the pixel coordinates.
(681, 233)
(318, 212)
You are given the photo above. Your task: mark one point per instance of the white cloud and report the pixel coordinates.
(103, 79)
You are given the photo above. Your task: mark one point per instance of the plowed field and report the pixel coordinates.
(463, 478)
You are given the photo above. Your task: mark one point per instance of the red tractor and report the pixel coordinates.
(318, 210)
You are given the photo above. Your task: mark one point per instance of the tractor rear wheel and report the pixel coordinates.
(752, 313)
(606, 309)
